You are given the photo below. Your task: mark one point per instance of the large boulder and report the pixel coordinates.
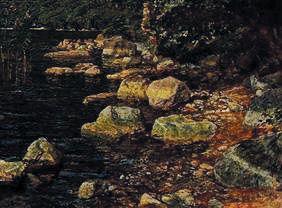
(11, 172)
(252, 163)
(265, 109)
(114, 122)
(133, 88)
(167, 93)
(42, 154)
(180, 130)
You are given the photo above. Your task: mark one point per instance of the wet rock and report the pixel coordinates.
(11, 172)
(133, 89)
(69, 57)
(180, 130)
(166, 93)
(252, 163)
(42, 154)
(265, 109)
(58, 71)
(87, 189)
(99, 97)
(114, 122)
(147, 201)
(126, 74)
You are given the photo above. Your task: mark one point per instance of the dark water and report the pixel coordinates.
(51, 109)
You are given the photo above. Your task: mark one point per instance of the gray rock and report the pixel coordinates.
(252, 163)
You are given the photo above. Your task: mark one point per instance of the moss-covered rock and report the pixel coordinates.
(253, 163)
(42, 154)
(133, 88)
(166, 93)
(180, 130)
(265, 109)
(114, 122)
(11, 172)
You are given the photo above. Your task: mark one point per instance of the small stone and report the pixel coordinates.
(133, 89)
(166, 93)
(58, 71)
(11, 172)
(87, 189)
(148, 201)
(42, 154)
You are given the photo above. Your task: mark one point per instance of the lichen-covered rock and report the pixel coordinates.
(133, 88)
(58, 71)
(166, 93)
(182, 198)
(87, 189)
(265, 109)
(147, 201)
(180, 130)
(11, 172)
(42, 154)
(114, 122)
(252, 163)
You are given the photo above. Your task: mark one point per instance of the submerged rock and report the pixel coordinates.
(99, 97)
(58, 71)
(180, 130)
(114, 122)
(266, 109)
(166, 93)
(182, 198)
(252, 164)
(133, 89)
(42, 154)
(147, 201)
(87, 189)
(11, 172)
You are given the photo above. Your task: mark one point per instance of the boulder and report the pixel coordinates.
(182, 198)
(265, 109)
(114, 122)
(167, 93)
(11, 172)
(147, 201)
(252, 164)
(87, 189)
(180, 130)
(42, 154)
(133, 88)
(58, 71)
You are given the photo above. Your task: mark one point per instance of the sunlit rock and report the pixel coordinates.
(252, 163)
(181, 198)
(87, 189)
(147, 201)
(114, 122)
(11, 172)
(266, 109)
(58, 71)
(180, 130)
(167, 93)
(126, 73)
(99, 97)
(133, 89)
(42, 154)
